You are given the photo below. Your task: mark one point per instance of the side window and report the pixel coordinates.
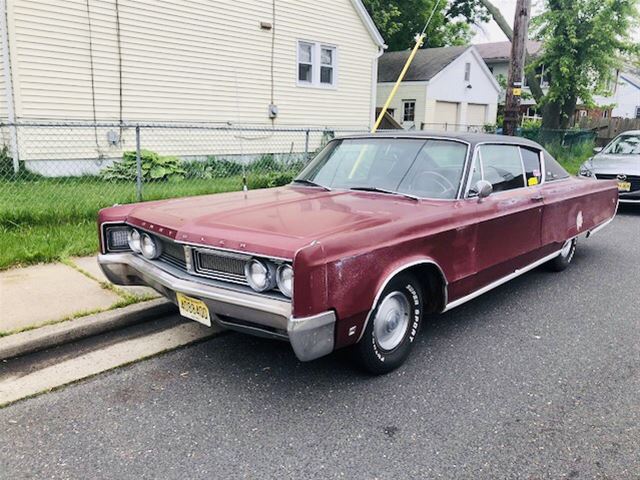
(554, 170)
(501, 166)
(531, 162)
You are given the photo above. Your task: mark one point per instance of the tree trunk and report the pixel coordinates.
(532, 80)
(568, 111)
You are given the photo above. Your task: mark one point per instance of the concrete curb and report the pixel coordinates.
(60, 333)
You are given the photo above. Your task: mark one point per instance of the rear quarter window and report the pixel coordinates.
(553, 169)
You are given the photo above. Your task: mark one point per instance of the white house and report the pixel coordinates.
(276, 63)
(627, 97)
(448, 88)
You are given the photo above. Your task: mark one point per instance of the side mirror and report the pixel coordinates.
(597, 149)
(483, 189)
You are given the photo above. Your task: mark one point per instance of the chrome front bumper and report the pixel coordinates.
(230, 306)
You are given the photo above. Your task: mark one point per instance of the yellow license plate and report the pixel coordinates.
(624, 186)
(193, 309)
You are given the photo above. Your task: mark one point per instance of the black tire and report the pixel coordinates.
(368, 352)
(562, 261)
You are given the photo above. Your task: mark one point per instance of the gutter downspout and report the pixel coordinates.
(8, 86)
(374, 85)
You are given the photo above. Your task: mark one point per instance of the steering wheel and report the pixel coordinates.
(436, 178)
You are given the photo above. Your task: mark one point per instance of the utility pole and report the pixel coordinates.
(516, 66)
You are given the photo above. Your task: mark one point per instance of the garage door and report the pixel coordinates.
(476, 116)
(446, 116)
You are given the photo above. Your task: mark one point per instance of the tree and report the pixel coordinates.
(583, 43)
(400, 20)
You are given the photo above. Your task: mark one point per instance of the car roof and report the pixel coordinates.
(469, 137)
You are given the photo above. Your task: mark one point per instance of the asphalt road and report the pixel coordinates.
(537, 379)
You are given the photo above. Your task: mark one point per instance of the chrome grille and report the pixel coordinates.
(634, 180)
(220, 265)
(173, 254)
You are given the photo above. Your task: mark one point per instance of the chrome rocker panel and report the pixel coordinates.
(311, 337)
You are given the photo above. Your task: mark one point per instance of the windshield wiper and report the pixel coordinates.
(304, 181)
(382, 190)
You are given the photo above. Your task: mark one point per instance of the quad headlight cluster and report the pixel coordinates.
(263, 275)
(121, 238)
(144, 243)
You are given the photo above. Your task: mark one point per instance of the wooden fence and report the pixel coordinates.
(608, 128)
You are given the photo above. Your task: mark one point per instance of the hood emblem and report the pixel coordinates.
(622, 177)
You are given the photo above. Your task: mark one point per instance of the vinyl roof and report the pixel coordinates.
(469, 137)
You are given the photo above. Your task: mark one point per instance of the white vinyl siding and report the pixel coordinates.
(182, 61)
(187, 61)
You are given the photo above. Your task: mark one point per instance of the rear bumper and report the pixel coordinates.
(235, 308)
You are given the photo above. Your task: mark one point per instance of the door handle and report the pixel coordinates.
(537, 198)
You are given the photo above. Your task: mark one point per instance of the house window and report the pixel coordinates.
(317, 64)
(605, 114)
(305, 62)
(408, 110)
(327, 59)
(467, 72)
(638, 112)
(391, 111)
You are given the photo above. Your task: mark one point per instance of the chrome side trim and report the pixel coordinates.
(501, 281)
(626, 200)
(392, 275)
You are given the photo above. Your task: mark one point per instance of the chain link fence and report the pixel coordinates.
(64, 171)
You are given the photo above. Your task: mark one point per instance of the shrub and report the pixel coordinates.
(270, 180)
(211, 168)
(154, 167)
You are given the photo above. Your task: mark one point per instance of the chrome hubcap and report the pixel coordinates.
(566, 248)
(391, 321)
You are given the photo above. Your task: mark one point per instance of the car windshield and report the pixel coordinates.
(429, 168)
(624, 145)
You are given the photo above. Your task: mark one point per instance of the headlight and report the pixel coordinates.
(585, 171)
(260, 275)
(285, 280)
(150, 248)
(133, 238)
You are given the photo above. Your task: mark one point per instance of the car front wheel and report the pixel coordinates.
(392, 327)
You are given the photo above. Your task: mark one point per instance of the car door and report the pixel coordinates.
(509, 220)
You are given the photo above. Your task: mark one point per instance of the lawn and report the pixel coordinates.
(49, 219)
(45, 220)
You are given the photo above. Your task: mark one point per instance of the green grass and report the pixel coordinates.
(47, 220)
(571, 157)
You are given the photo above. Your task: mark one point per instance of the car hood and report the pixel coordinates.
(615, 164)
(276, 221)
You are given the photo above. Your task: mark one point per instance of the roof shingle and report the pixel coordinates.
(426, 64)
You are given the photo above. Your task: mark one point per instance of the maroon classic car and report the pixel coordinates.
(377, 232)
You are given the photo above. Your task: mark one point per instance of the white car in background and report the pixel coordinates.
(619, 160)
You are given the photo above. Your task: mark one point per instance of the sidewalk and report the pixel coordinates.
(40, 295)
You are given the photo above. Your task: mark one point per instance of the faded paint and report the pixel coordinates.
(345, 244)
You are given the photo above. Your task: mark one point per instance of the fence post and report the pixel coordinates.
(138, 166)
(306, 145)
